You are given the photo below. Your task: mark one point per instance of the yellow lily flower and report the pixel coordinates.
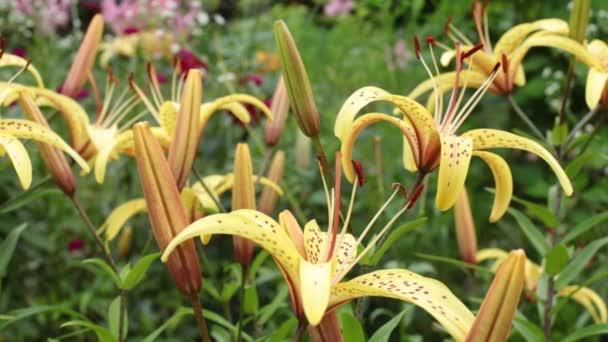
(585, 296)
(596, 89)
(510, 50)
(430, 141)
(217, 184)
(10, 60)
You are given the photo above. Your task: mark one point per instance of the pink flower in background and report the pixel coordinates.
(337, 7)
(398, 56)
(188, 60)
(49, 15)
(19, 51)
(122, 16)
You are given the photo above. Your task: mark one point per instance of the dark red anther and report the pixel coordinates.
(471, 51)
(415, 196)
(400, 187)
(430, 40)
(495, 68)
(505, 64)
(27, 64)
(417, 46)
(359, 171)
(446, 28)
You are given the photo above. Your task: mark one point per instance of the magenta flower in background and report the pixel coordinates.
(337, 7)
(19, 51)
(188, 60)
(76, 245)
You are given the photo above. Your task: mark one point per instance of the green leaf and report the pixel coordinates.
(556, 259)
(538, 211)
(351, 327)
(394, 236)
(279, 301)
(20, 314)
(457, 263)
(384, 333)
(585, 226)
(535, 237)
(250, 299)
(27, 197)
(124, 272)
(213, 317)
(102, 265)
(7, 248)
(173, 321)
(284, 330)
(114, 318)
(103, 334)
(138, 272)
(588, 331)
(576, 165)
(559, 133)
(528, 330)
(576, 266)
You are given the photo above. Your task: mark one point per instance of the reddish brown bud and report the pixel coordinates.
(269, 196)
(243, 197)
(465, 228)
(279, 109)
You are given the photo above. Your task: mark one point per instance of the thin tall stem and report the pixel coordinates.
(569, 78)
(239, 332)
(322, 157)
(200, 320)
(522, 115)
(209, 192)
(300, 331)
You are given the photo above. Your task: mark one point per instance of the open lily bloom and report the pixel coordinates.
(596, 90)
(194, 197)
(11, 130)
(585, 296)
(430, 141)
(510, 50)
(314, 263)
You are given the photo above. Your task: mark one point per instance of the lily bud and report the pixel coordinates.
(269, 196)
(53, 158)
(243, 197)
(165, 209)
(184, 145)
(84, 59)
(465, 228)
(303, 147)
(279, 109)
(124, 243)
(495, 316)
(296, 81)
(579, 18)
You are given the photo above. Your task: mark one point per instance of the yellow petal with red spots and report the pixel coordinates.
(355, 102)
(484, 139)
(19, 157)
(455, 158)
(503, 182)
(429, 294)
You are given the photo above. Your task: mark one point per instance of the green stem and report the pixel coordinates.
(524, 117)
(209, 192)
(239, 332)
(569, 78)
(200, 320)
(322, 157)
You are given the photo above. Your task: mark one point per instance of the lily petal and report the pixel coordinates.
(360, 123)
(14, 60)
(26, 129)
(119, 216)
(207, 109)
(503, 181)
(355, 102)
(455, 158)
(167, 116)
(409, 163)
(445, 81)
(595, 86)
(315, 289)
(19, 157)
(429, 294)
(249, 224)
(315, 240)
(511, 39)
(491, 138)
(589, 299)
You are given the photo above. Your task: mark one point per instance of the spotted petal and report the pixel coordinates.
(119, 216)
(359, 99)
(455, 158)
(248, 224)
(19, 157)
(360, 123)
(595, 87)
(503, 181)
(25, 129)
(484, 139)
(589, 299)
(429, 294)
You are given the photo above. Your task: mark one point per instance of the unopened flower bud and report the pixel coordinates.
(498, 308)
(296, 81)
(84, 59)
(243, 197)
(53, 158)
(184, 145)
(269, 196)
(579, 18)
(279, 109)
(166, 211)
(303, 147)
(465, 228)
(124, 243)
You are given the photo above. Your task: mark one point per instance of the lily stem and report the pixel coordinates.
(322, 157)
(522, 115)
(109, 259)
(239, 332)
(200, 320)
(209, 192)
(300, 331)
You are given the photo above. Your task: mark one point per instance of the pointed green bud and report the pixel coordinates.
(296, 81)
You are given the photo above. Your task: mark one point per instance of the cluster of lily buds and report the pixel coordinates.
(85, 57)
(279, 108)
(53, 158)
(165, 208)
(243, 197)
(297, 83)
